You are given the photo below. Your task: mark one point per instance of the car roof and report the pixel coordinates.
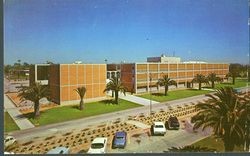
(158, 123)
(57, 150)
(99, 140)
(120, 133)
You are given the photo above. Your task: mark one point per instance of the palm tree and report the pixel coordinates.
(34, 93)
(234, 70)
(223, 113)
(213, 78)
(199, 78)
(116, 86)
(166, 82)
(191, 149)
(81, 92)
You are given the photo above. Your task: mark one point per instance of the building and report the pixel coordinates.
(39, 73)
(64, 78)
(164, 59)
(141, 77)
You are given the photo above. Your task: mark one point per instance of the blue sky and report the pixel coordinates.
(63, 31)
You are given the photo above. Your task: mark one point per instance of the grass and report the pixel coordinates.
(9, 123)
(66, 113)
(238, 83)
(174, 95)
(210, 142)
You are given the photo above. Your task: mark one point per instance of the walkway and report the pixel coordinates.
(136, 99)
(20, 120)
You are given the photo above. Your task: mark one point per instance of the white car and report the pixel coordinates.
(98, 145)
(59, 150)
(8, 153)
(159, 128)
(9, 140)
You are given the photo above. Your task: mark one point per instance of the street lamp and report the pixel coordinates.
(150, 80)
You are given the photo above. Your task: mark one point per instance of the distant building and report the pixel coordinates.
(136, 76)
(164, 59)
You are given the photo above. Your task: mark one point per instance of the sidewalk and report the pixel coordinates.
(20, 120)
(135, 99)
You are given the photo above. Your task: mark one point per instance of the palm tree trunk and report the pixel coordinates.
(116, 97)
(199, 85)
(233, 79)
(212, 84)
(36, 110)
(166, 90)
(228, 142)
(81, 104)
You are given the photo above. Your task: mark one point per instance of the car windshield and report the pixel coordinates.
(97, 145)
(158, 126)
(119, 137)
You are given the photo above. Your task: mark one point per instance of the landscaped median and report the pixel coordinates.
(174, 95)
(9, 123)
(66, 113)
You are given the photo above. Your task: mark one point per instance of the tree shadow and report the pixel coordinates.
(108, 102)
(158, 94)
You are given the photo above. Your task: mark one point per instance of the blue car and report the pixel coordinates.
(120, 139)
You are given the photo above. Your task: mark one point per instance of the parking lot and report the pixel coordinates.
(145, 143)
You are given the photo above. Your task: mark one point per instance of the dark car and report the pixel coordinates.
(173, 123)
(120, 139)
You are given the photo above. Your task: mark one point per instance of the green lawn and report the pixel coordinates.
(66, 113)
(238, 83)
(210, 142)
(174, 95)
(9, 124)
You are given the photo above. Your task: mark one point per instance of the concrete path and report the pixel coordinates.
(138, 100)
(135, 99)
(20, 120)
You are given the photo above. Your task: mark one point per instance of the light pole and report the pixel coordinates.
(150, 80)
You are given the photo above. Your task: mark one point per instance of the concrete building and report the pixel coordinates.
(39, 73)
(136, 76)
(64, 78)
(164, 59)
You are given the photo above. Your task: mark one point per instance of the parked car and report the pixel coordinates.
(173, 123)
(98, 145)
(159, 128)
(9, 140)
(120, 139)
(59, 150)
(9, 153)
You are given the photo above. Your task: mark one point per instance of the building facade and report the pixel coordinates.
(141, 77)
(63, 79)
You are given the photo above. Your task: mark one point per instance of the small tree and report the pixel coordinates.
(116, 86)
(166, 82)
(199, 78)
(34, 93)
(81, 92)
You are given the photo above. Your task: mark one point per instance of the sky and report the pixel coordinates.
(63, 31)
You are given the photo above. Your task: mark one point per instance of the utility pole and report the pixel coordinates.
(150, 106)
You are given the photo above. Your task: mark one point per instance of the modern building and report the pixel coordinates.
(39, 73)
(141, 77)
(164, 59)
(63, 79)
